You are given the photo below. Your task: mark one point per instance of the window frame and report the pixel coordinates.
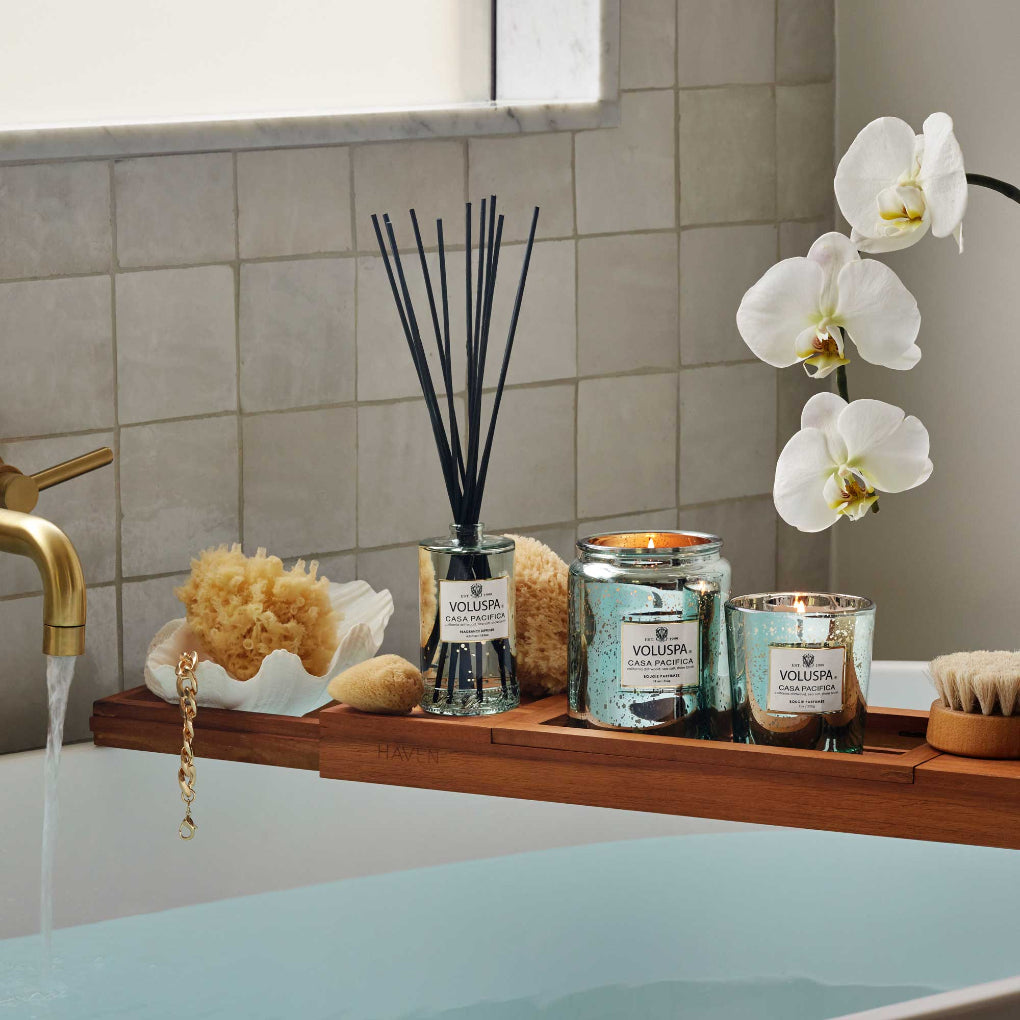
(491, 118)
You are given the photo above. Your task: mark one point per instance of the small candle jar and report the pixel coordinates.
(647, 645)
(800, 663)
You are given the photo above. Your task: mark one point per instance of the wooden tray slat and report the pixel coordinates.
(554, 732)
(900, 786)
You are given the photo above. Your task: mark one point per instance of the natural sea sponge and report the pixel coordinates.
(540, 587)
(427, 604)
(242, 608)
(386, 684)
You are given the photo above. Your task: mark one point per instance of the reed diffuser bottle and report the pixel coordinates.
(466, 580)
(467, 616)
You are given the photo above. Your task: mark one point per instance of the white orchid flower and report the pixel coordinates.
(842, 456)
(893, 185)
(801, 308)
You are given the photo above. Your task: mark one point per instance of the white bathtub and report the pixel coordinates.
(263, 829)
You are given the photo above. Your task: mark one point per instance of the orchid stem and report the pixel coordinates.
(994, 184)
(841, 383)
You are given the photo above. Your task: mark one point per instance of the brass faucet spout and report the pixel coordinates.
(63, 581)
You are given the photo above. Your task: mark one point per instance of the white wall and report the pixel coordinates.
(943, 561)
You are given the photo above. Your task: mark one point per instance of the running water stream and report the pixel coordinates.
(59, 672)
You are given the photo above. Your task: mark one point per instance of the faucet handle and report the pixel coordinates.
(21, 492)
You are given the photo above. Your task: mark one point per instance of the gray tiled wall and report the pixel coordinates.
(223, 321)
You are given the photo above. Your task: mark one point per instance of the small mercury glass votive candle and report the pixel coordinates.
(647, 642)
(799, 669)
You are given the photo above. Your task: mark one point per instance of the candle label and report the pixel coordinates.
(659, 656)
(474, 610)
(808, 681)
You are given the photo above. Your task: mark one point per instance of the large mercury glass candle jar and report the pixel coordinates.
(647, 647)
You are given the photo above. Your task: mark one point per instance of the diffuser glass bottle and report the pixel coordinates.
(466, 589)
(466, 602)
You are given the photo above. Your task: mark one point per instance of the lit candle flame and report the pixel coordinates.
(651, 542)
(799, 605)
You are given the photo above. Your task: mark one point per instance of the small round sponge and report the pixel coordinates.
(387, 685)
(541, 614)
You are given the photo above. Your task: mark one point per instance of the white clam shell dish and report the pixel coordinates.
(282, 685)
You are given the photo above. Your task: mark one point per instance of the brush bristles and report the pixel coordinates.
(978, 682)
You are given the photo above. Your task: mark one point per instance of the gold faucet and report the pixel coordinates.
(49, 548)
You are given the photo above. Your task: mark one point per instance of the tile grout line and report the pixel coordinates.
(323, 256)
(117, 501)
(577, 330)
(237, 354)
(595, 519)
(678, 224)
(775, 134)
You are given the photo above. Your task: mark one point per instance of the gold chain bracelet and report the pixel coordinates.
(187, 688)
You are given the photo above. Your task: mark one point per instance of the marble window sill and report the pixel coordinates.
(335, 129)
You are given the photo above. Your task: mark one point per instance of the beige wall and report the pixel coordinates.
(223, 321)
(943, 561)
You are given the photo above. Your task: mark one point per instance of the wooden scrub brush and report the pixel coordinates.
(978, 711)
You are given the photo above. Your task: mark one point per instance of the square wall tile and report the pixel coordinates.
(401, 493)
(531, 473)
(647, 44)
(522, 172)
(627, 303)
(300, 477)
(178, 492)
(85, 508)
(727, 155)
(804, 143)
(96, 673)
(796, 238)
(293, 201)
(717, 265)
(561, 539)
(727, 432)
(173, 210)
(545, 345)
(393, 177)
(145, 607)
(748, 530)
(626, 174)
(626, 444)
(297, 333)
(55, 218)
(795, 388)
(385, 368)
(176, 344)
(722, 42)
(339, 568)
(806, 40)
(647, 520)
(802, 563)
(51, 323)
(397, 570)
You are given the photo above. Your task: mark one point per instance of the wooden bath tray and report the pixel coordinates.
(898, 787)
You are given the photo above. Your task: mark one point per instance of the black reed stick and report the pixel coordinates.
(475, 505)
(410, 324)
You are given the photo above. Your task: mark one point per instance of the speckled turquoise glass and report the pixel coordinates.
(650, 593)
(810, 649)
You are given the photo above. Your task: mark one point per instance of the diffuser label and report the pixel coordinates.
(806, 680)
(474, 610)
(659, 656)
